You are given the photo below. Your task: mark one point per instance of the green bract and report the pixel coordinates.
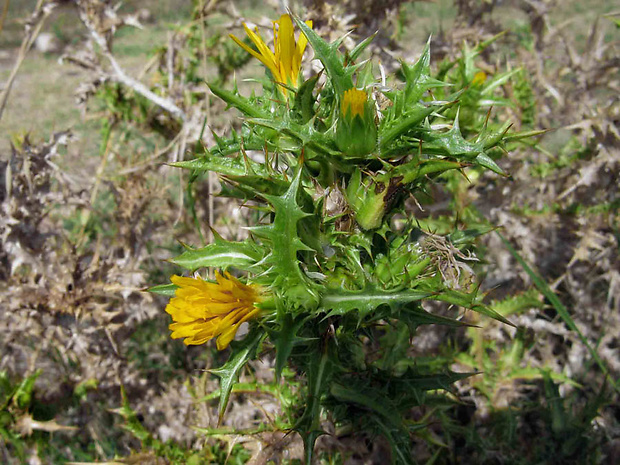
(356, 130)
(344, 264)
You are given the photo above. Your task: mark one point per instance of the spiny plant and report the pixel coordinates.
(334, 273)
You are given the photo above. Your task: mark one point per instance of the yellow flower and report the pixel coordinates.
(285, 61)
(353, 102)
(202, 310)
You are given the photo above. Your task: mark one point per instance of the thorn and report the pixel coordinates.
(462, 171)
(486, 120)
(216, 235)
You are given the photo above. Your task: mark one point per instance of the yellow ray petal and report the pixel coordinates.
(266, 55)
(285, 44)
(302, 42)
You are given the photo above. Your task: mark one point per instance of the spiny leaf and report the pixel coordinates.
(450, 143)
(411, 379)
(372, 399)
(229, 372)
(331, 58)
(415, 316)
(283, 236)
(392, 128)
(491, 139)
(519, 302)
(243, 104)
(466, 236)
(227, 430)
(400, 444)
(304, 133)
(222, 254)
(359, 48)
(487, 162)
(257, 185)
(304, 99)
(340, 302)
(468, 301)
(415, 169)
(228, 166)
(309, 425)
(418, 77)
(285, 340)
(524, 134)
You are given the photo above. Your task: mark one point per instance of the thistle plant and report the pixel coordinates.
(334, 274)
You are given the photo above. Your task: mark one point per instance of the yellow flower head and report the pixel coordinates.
(285, 61)
(202, 310)
(354, 103)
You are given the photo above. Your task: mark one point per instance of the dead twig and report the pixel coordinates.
(100, 32)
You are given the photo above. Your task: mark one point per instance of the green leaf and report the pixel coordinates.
(281, 262)
(228, 166)
(331, 58)
(498, 80)
(400, 444)
(23, 393)
(308, 137)
(395, 127)
(463, 237)
(487, 162)
(167, 290)
(450, 143)
(416, 169)
(468, 301)
(359, 48)
(415, 316)
(228, 431)
(418, 77)
(256, 185)
(221, 254)
(132, 423)
(284, 341)
(371, 399)
(304, 99)
(519, 302)
(244, 105)
(340, 301)
(411, 379)
(229, 373)
(6, 389)
(491, 139)
(524, 135)
(243, 388)
(309, 425)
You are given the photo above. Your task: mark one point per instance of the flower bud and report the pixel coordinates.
(356, 131)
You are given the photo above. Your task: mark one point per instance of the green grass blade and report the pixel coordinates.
(544, 288)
